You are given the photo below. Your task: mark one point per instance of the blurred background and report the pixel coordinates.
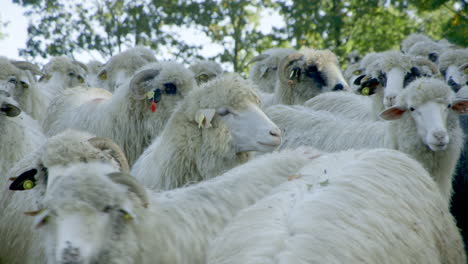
(229, 32)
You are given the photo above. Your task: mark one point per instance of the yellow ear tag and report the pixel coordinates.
(357, 72)
(200, 119)
(127, 216)
(28, 184)
(150, 95)
(103, 76)
(80, 79)
(365, 91)
(25, 85)
(465, 70)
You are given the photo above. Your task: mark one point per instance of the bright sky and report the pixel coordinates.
(16, 34)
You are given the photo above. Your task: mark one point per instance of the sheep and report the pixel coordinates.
(20, 134)
(175, 226)
(205, 70)
(132, 116)
(61, 73)
(412, 39)
(353, 57)
(372, 206)
(453, 64)
(355, 72)
(385, 77)
(303, 75)
(18, 79)
(429, 50)
(427, 128)
(36, 169)
(264, 71)
(122, 66)
(94, 67)
(212, 130)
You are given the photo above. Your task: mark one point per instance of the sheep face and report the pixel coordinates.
(250, 129)
(64, 71)
(457, 77)
(85, 216)
(162, 84)
(429, 108)
(309, 73)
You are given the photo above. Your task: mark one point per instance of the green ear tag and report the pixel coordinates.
(28, 184)
(365, 91)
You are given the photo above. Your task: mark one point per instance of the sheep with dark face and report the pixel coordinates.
(215, 128)
(453, 64)
(133, 115)
(303, 75)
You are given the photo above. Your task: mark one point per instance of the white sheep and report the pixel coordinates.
(355, 72)
(264, 70)
(303, 75)
(427, 128)
(61, 73)
(429, 50)
(353, 57)
(371, 206)
(386, 74)
(205, 70)
(112, 225)
(132, 116)
(18, 78)
(94, 67)
(412, 39)
(453, 63)
(121, 67)
(20, 134)
(32, 173)
(215, 128)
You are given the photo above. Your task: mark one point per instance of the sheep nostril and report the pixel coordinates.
(275, 132)
(338, 87)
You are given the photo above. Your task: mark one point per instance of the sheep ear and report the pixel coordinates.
(258, 58)
(392, 113)
(25, 181)
(461, 106)
(203, 117)
(10, 110)
(132, 184)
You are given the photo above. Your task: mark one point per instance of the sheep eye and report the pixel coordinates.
(222, 111)
(125, 215)
(449, 106)
(24, 84)
(411, 109)
(71, 74)
(203, 78)
(80, 79)
(107, 209)
(170, 88)
(357, 72)
(43, 221)
(13, 81)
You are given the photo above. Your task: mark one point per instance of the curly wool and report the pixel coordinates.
(185, 154)
(412, 39)
(450, 57)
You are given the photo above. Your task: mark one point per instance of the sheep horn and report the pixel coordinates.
(283, 73)
(142, 76)
(133, 185)
(25, 65)
(258, 58)
(425, 62)
(115, 151)
(82, 65)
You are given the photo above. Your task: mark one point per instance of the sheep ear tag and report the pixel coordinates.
(154, 97)
(23, 182)
(203, 117)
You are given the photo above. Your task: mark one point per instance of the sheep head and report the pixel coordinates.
(7, 105)
(305, 74)
(89, 210)
(430, 103)
(71, 73)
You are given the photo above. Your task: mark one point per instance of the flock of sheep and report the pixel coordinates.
(146, 161)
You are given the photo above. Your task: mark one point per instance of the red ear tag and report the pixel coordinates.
(153, 106)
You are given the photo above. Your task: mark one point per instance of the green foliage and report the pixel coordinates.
(67, 27)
